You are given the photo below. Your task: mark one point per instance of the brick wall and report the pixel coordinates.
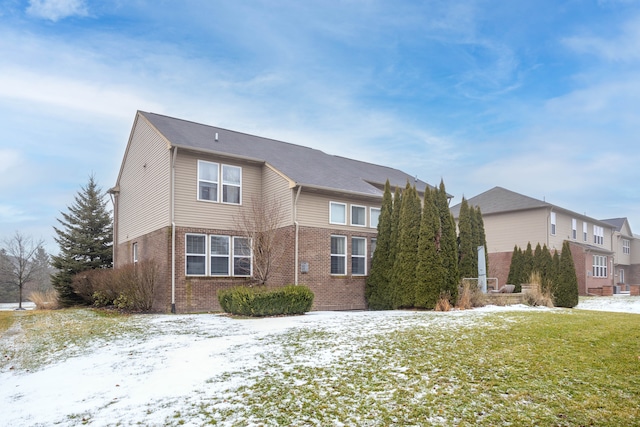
(499, 264)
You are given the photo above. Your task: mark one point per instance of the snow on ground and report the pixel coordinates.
(183, 360)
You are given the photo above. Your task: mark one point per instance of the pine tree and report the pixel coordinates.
(377, 289)
(429, 271)
(515, 267)
(566, 288)
(85, 240)
(393, 245)
(448, 245)
(526, 267)
(545, 265)
(406, 259)
(466, 252)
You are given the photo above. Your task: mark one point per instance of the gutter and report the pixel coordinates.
(173, 230)
(295, 222)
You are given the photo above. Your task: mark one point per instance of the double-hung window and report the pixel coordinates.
(339, 255)
(574, 228)
(626, 246)
(337, 213)
(208, 181)
(584, 231)
(231, 184)
(553, 223)
(241, 256)
(196, 254)
(219, 255)
(210, 174)
(598, 235)
(599, 266)
(358, 215)
(374, 216)
(358, 256)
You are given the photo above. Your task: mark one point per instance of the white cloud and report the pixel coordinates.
(55, 10)
(623, 48)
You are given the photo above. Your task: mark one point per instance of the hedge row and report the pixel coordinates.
(258, 301)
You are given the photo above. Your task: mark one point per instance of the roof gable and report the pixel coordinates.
(304, 166)
(498, 200)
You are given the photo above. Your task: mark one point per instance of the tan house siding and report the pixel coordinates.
(191, 212)
(505, 230)
(313, 211)
(276, 190)
(143, 201)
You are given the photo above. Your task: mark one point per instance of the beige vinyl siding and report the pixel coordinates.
(505, 230)
(194, 213)
(621, 257)
(144, 184)
(276, 188)
(313, 211)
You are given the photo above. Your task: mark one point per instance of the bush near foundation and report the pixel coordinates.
(260, 301)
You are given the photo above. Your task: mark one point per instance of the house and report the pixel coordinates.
(183, 188)
(512, 219)
(626, 262)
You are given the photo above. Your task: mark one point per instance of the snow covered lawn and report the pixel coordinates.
(487, 366)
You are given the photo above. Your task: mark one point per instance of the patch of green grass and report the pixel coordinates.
(561, 368)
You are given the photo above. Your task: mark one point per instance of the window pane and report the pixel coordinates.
(195, 244)
(358, 246)
(338, 214)
(208, 171)
(242, 266)
(231, 174)
(375, 216)
(357, 265)
(208, 191)
(219, 245)
(219, 266)
(241, 246)
(374, 243)
(337, 265)
(196, 265)
(230, 194)
(358, 214)
(338, 245)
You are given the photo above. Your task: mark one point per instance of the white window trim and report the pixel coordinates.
(364, 208)
(363, 257)
(250, 256)
(219, 183)
(626, 246)
(344, 256)
(371, 210)
(227, 256)
(331, 221)
(553, 223)
(600, 266)
(598, 235)
(187, 254)
(585, 231)
(222, 184)
(574, 229)
(208, 181)
(134, 250)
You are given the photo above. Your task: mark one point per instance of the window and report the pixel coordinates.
(241, 256)
(574, 228)
(584, 231)
(599, 266)
(209, 178)
(134, 249)
(621, 277)
(207, 181)
(374, 244)
(374, 216)
(196, 254)
(337, 213)
(226, 256)
(219, 255)
(231, 177)
(338, 255)
(358, 256)
(598, 235)
(553, 223)
(358, 215)
(626, 246)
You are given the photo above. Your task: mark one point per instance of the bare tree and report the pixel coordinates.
(260, 223)
(20, 265)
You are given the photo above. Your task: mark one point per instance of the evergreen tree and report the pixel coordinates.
(467, 254)
(448, 244)
(526, 267)
(566, 288)
(429, 272)
(545, 266)
(393, 245)
(377, 288)
(515, 267)
(85, 240)
(555, 270)
(407, 256)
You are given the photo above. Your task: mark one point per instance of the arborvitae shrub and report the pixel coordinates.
(260, 301)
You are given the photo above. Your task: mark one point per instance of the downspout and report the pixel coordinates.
(297, 225)
(113, 228)
(173, 230)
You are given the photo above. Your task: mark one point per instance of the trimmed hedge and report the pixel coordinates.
(259, 301)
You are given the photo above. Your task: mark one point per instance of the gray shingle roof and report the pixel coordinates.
(617, 223)
(303, 165)
(500, 199)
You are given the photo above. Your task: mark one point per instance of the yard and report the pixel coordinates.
(491, 366)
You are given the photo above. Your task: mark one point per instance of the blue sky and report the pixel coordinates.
(538, 96)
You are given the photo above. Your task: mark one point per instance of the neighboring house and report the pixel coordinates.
(626, 263)
(183, 186)
(512, 219)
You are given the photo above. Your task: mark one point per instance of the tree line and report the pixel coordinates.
(419, 258)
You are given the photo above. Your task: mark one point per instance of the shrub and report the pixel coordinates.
(443, 303)
(44, 300)
(258, 301)
(535, 296)
(470, 296)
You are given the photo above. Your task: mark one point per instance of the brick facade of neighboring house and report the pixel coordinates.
(183, 187)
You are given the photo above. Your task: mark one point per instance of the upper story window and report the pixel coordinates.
(374, 216)
(599, 266)
(626, 246)
(358, 215)
(210, 174)
(584, 231)
(553, 223)
(574, 228)
(598, 235)
(135, 252)
(337, 213)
